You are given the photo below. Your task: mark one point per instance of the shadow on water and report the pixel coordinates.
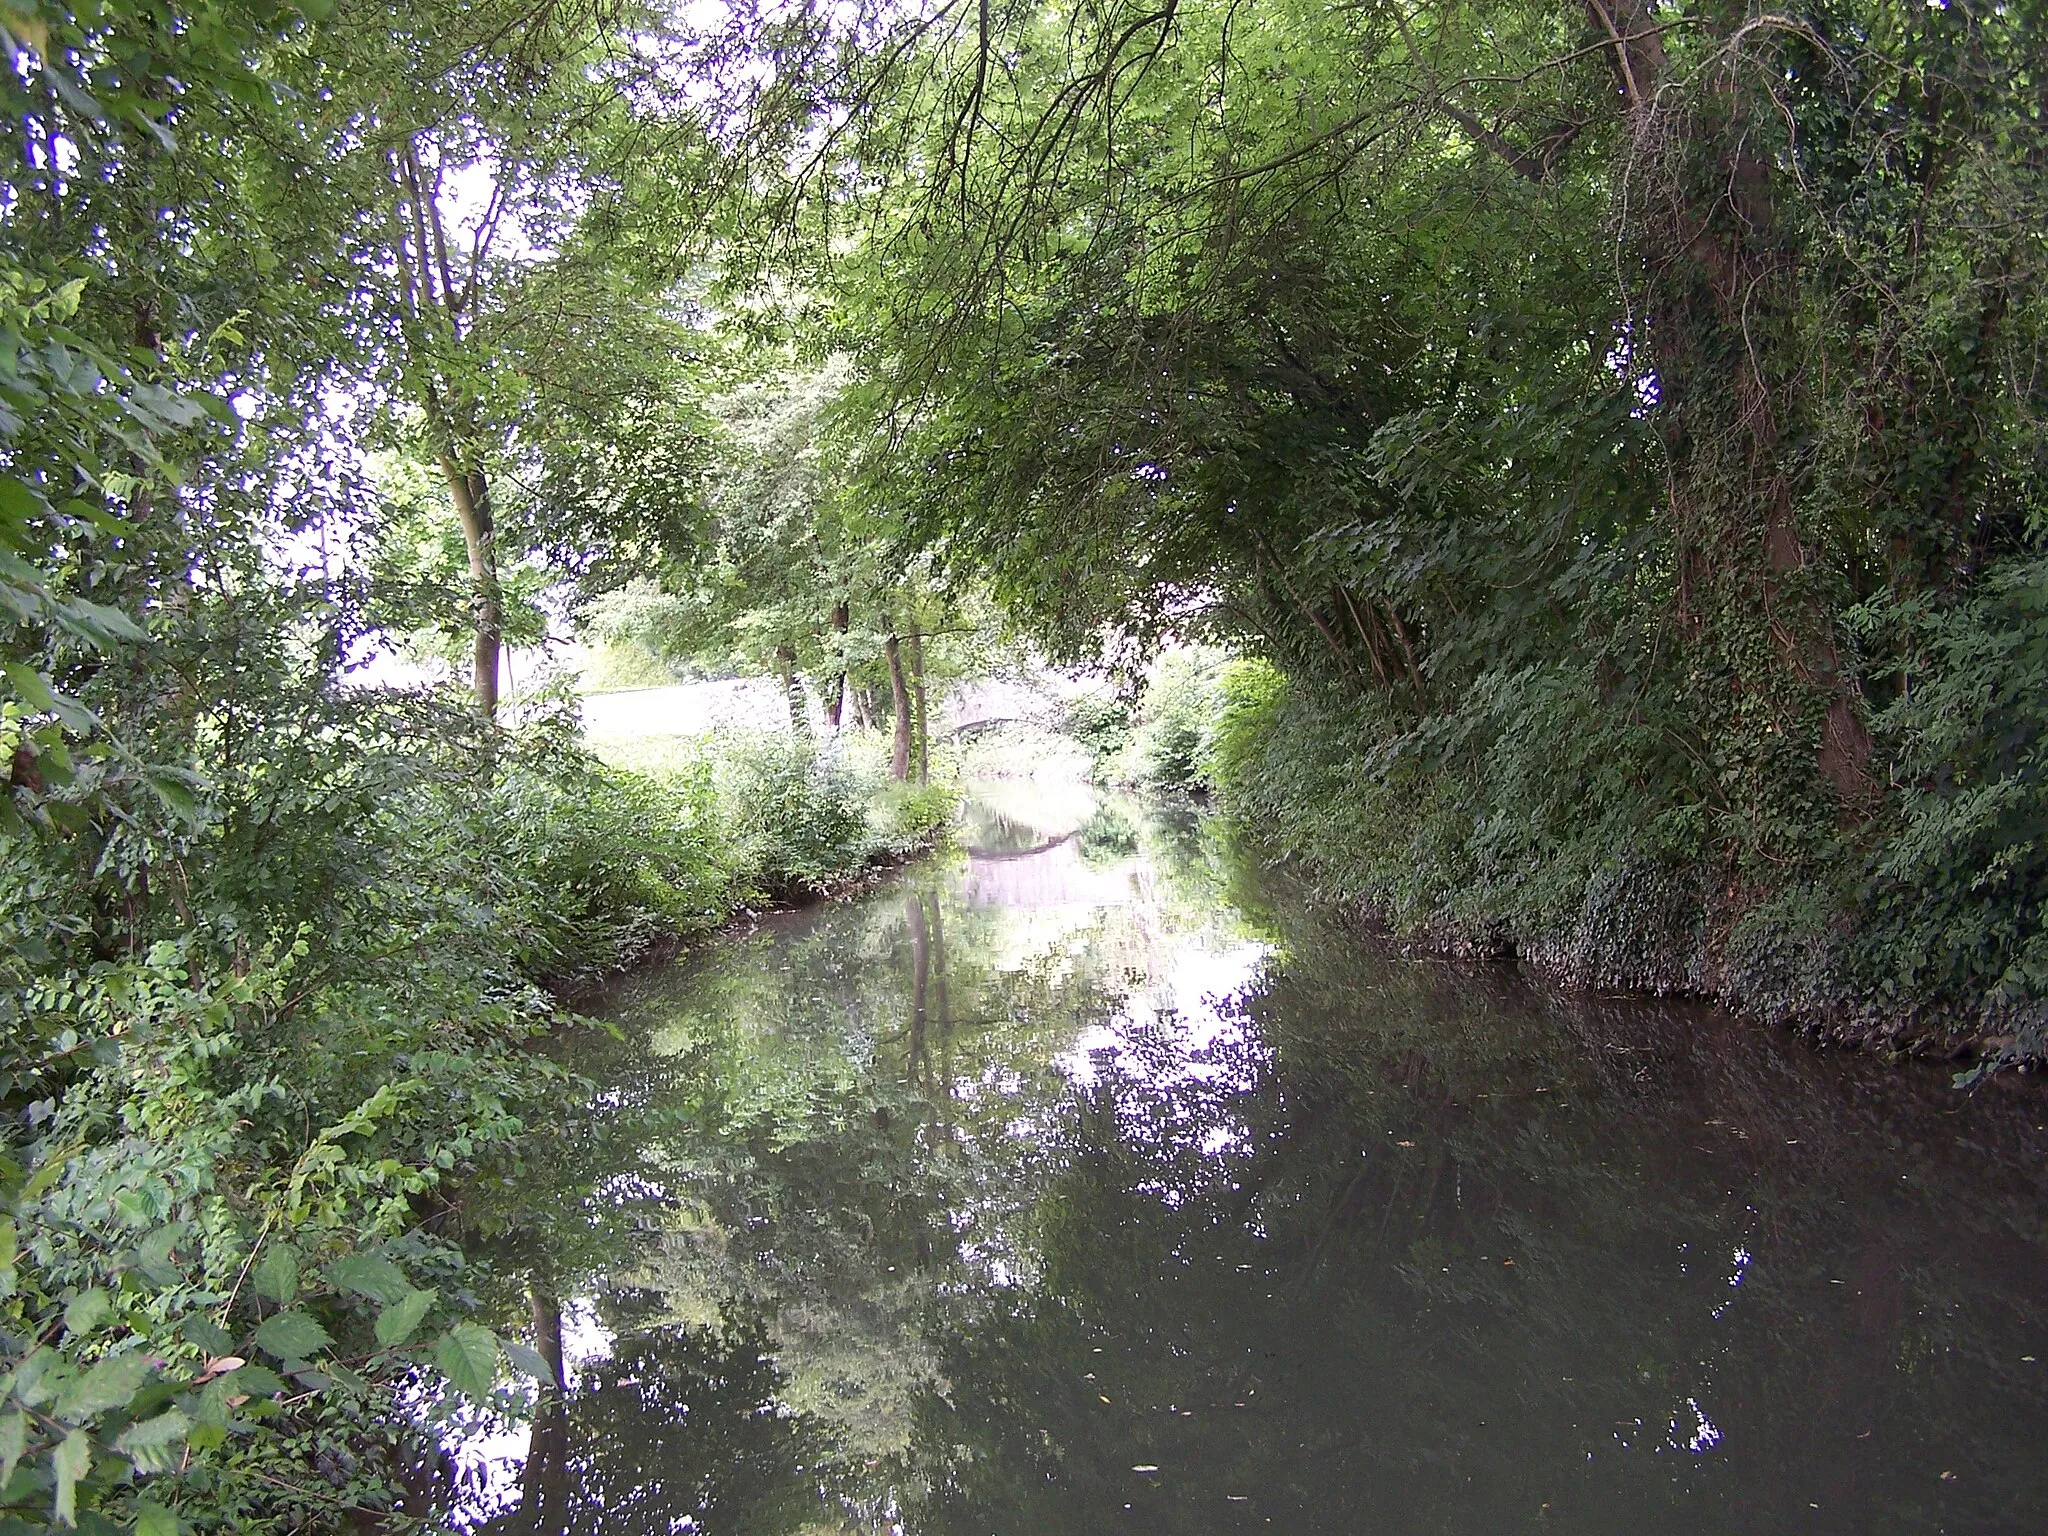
(1085, 1181)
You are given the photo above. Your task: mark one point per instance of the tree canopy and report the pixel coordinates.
(1606, 438)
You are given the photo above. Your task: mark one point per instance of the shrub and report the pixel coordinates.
(914, 817)
(1954, 904)
(240, 1125)
(1170, 743)
(1101, 723)
(795, 820)
(1249, 694)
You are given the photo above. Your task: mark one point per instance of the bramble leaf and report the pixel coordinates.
(277, 1277)
(370, 1275)
(468, 1356)
(73, 1459)
(111, 1383)
(291, 1336)
(397, 1321)
(153, 1444)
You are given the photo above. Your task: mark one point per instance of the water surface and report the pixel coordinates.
(1084, 1180)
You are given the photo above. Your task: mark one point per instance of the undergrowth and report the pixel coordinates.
(1535, 820)
(255, 1129)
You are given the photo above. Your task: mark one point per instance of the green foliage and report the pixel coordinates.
(913, 818)
(149, 1271)
(797, 820)
(1176, 717)
(1625, 449)
(1250, 694)
(230, 1153)
(1100, 722)
(1956, 898)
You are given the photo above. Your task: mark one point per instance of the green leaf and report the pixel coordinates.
(527, 1359)
(71, 1462)
(249, 1381)
(291, 1336)
(341, 1376)
(397, 1321)
(277, 1277)
(47, 1173)
(468, 1356)
(371, 1275)
(20, 501)
(155, 1520)
(153, 1255)
(86, 1311)
(154, 1443)
(13, 1441)
(175, 793)
(203, 1331)
(33, 687)
(112, 1383)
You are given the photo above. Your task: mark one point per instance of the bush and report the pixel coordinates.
(605, 862)
(914, 817)
(1471, 824)
(1954, 904)
(1249, 696)
(795, 821)
(1101, 723)
(1169, 744)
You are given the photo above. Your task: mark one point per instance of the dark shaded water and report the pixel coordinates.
(1084, 1181)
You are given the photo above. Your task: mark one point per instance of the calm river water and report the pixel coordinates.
(1083, 1180)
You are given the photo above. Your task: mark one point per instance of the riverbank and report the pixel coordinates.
(267, 1122)
(1465, 838)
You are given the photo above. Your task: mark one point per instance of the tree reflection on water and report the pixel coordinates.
(1086, 1181)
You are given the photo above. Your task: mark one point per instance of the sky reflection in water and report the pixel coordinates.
(1083, 1181)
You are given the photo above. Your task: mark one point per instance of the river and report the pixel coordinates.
(1088, 1180)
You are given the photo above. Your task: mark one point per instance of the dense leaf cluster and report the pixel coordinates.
(1621, 424)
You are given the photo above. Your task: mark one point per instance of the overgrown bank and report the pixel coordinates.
(1622, 425)
(262, 1127)
(1518, 827)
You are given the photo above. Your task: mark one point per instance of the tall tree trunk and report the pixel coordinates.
(472, 497)
(792, 690)
(924, 734)
(920, 980)
(837, 703)
(1721, 327)
(544, 1481)
(899, 697)
(435, 307)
